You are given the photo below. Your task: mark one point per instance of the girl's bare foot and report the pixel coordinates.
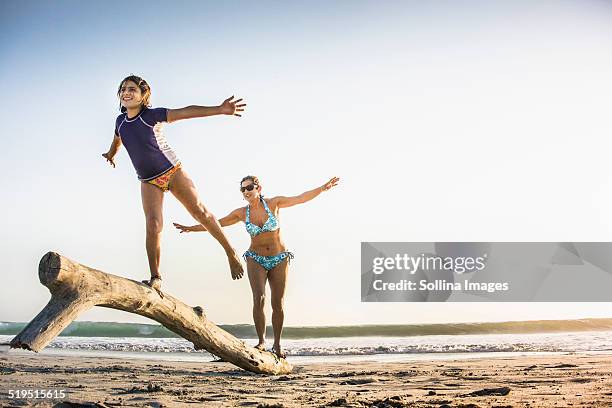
(154, 283)
(235, 266)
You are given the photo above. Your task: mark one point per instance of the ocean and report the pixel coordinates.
(341, 343)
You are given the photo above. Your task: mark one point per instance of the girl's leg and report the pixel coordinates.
(184, 190)
(277, 277)
(152, 204)
(257, 279)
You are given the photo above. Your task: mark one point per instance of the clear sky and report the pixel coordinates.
(446, 121)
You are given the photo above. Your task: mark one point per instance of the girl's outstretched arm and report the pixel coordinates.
(112, 151)
(228, 107)
(229, 219)
(283, 202)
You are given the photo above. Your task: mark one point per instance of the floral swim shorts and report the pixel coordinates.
(163, 181)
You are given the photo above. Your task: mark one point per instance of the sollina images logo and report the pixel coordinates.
(431, 263)
(481, 271)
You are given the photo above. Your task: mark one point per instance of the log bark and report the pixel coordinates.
(76, 288)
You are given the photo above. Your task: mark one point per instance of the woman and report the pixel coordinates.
(267, 258)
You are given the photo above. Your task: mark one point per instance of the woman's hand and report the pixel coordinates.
(331, 183)
(109, 158)
(231, 107)
(182, 228)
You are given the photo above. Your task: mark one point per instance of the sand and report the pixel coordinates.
(558, 380)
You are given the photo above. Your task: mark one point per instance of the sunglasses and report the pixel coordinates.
(250, 187)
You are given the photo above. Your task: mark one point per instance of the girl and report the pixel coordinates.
(139, 129)
(267, 258)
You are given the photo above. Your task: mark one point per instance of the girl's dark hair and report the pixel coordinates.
(144, 88)
(254, 179)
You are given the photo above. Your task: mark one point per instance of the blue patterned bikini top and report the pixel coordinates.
(271, 223)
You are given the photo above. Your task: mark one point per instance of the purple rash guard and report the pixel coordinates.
(145, 142)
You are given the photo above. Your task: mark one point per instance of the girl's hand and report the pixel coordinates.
(231, 107)
(183, 228)
(331, 183)
(109, 159)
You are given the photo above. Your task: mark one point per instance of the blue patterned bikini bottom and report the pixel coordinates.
(268, 262)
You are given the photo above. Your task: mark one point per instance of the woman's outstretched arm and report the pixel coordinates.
(228, 107)
(283, 202)
(230, 219)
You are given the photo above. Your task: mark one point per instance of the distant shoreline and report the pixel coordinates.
(112, 329)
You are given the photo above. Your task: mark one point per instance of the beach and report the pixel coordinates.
(543, 380)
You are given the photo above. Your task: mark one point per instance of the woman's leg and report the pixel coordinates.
(184, 190)
(257, 279)
(152, 204)
(277, 277)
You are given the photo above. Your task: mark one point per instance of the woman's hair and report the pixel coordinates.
(144, 88)
(254, 179)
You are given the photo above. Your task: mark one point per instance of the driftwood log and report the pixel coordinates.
(76, 288)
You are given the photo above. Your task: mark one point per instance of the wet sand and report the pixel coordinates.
(567, 380)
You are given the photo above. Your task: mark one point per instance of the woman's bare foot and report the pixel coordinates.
(154, 283)
(277, 350)
(235, 266)
(261, 346)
